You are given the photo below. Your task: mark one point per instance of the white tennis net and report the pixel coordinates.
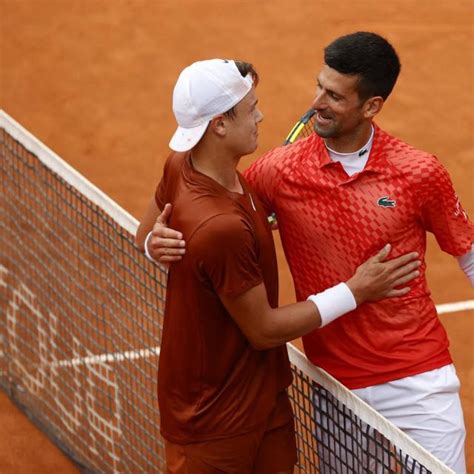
(81, 318)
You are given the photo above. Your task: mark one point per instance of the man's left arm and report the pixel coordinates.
(444, 216)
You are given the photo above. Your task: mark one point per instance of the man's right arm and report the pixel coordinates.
(153, 236)
(163, 244)
(266, 327)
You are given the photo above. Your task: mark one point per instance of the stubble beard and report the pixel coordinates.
(329, 132)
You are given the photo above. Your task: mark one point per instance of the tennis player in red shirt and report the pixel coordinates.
(338, 195)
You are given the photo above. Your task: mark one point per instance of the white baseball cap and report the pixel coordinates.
(204, 90)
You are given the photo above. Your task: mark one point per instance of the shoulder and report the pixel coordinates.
(296, 150)
(172, 167)
(416, 165)
(221, 228)
(221, 234)
(174, 162)
(285, 157)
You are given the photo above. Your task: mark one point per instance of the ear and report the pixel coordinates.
(373, 106)
(218, 125)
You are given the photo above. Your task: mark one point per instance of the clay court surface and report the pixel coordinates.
(93, 79)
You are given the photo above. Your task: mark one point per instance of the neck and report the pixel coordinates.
(364, 149)
(217, 165)
(352, 142)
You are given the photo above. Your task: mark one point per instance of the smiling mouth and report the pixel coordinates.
(323, 119)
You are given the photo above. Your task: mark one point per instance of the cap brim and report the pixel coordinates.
(186, 138)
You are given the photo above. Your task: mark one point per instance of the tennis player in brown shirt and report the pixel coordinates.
(224, 369)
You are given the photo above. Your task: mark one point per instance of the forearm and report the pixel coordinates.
(141, 235)
(286, 323)
(267, 327)
(292, 321)
(146, 224)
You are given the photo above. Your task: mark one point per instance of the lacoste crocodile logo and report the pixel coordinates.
(386, 202)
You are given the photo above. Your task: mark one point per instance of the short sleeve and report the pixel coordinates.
(442, 212)
(225, 255)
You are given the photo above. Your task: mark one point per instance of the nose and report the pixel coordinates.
(319, 101)
(259, 116)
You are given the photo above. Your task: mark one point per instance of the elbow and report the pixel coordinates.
(265, 344)
(259, 344)
(262, 340)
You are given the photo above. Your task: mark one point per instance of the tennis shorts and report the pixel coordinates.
(269, 449)
(427, 407)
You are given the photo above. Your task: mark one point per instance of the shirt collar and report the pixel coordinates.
(377, 162)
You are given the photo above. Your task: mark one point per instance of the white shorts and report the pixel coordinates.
(427, 407)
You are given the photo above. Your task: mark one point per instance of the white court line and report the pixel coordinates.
(455, 307)
(114, 357)
(155, 351)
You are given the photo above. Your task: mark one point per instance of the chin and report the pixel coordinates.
(249, 151)
(330, 132)
(252, 146)
(325, 133)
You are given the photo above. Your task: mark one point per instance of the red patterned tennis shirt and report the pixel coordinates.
(331, 222)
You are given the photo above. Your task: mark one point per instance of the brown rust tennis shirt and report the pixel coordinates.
(211, 382)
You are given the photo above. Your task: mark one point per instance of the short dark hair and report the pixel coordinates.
(244, 69)
(368, 56)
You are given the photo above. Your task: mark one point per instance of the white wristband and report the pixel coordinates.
(334, 302)
(466, 262)
(147, 253)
